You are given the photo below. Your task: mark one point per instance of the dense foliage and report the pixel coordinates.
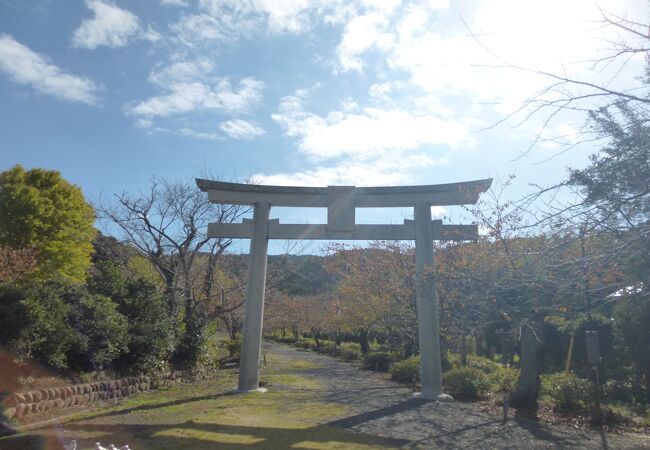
(44, 213)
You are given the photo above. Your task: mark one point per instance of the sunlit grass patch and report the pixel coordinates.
(211, 436)
(280, 379)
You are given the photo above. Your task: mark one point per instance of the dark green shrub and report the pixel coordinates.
(13, 315)
(485, 365)
(378, 361)
(234, 346)
(103, 330)
(632, 316)
(328, 347)
(556, 331)
(466, 383)
(567, 392)
(306, 343)
(350, 351)
(504, 379)
(285, 339)
(334, 351)
(151, 335)
(406, 371)
(376, 347)
(45, 331)
(324, 346)
(619, 391)
(65, 326)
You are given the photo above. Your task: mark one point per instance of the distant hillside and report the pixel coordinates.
(292, 274)
(300, 274)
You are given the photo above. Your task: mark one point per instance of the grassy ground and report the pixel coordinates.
(203, 416)
(314, 402)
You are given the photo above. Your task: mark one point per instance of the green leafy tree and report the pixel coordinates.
(150, 334)
(632, 318)
(62, 324)
(42, 211)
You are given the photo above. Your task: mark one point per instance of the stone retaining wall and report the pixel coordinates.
(20, 406)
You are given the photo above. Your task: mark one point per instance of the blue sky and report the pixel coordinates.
(302, 92)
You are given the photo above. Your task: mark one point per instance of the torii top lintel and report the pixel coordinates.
(462, 193)
(341, 202)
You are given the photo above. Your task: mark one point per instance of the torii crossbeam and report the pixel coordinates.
(341, 202)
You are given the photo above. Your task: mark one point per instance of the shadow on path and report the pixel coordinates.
(205, 435)
(363, 417)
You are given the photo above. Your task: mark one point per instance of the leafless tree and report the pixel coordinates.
(168, 225)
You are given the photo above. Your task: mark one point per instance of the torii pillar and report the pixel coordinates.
(249, 374)
(341, 202)
(427, 306)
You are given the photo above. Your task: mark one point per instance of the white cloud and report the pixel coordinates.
(151, 35)
(450, 61)
(185, 97)
(199, 134)
(558, 136)
(194, 28)
(362, 33)
(191, 87)
(181, 3)
(386, 7)
(438, 4)
(229, 20)
(385, 172)
(363, 146)
(380, 90)
(290, 16)
(182, 131)
(241, 129)
(111, 26)
(370, 133)
(182, 72)
(279, 16)
(25, 66)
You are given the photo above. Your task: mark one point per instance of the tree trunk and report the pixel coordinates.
(363, 341)
(463, 350)
(227, 320)
(408, 348)
(480, 343)
(525, 395)
(504, 343)
(168, 279)
(316, 334)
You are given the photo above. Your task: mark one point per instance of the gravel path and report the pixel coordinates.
(384, 408)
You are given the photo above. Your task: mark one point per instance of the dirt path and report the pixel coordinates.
(313, 402)
(386, 409)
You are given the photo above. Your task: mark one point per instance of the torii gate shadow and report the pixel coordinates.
(203, 436)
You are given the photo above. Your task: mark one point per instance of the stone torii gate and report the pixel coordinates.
(341, 202)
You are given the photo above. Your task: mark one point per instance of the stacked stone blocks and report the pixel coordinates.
(19, 406)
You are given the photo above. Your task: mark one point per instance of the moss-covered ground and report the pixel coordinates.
(204, 415)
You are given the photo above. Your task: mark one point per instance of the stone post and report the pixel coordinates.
(249, 375)
(427, 306)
